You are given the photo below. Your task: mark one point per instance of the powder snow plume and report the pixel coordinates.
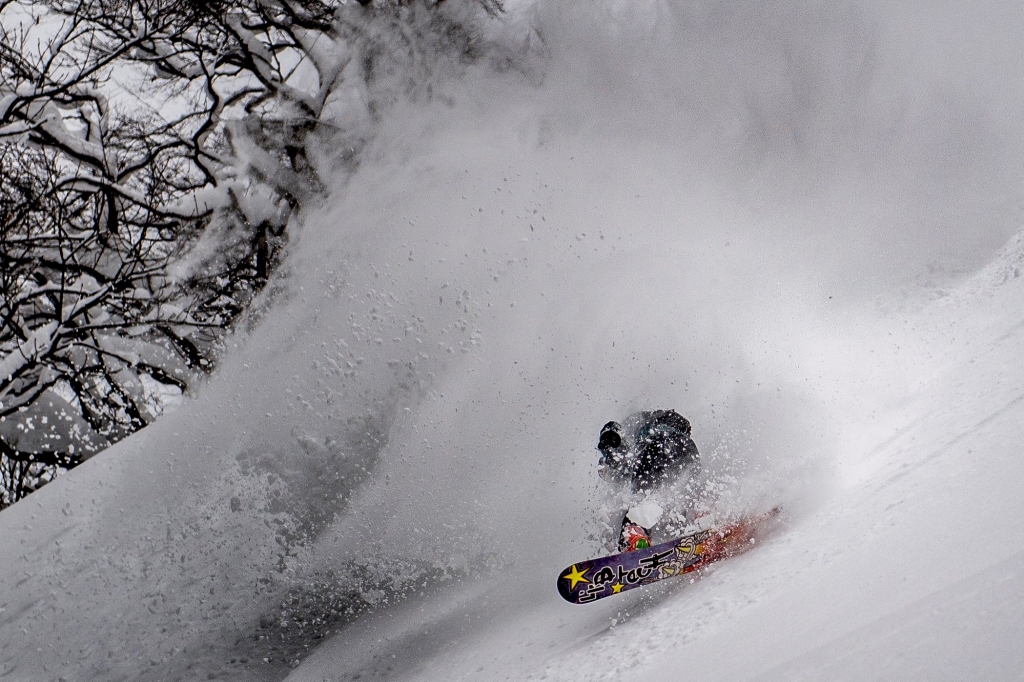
(712, 207)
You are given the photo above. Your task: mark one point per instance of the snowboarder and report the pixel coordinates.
(646, 451)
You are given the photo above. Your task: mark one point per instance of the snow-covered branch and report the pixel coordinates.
(154, 157)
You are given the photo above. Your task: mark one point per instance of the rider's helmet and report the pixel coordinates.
(616, 461)
(611, 437)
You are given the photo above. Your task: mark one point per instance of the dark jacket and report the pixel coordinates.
(647, 449)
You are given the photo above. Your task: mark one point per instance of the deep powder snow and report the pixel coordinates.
(765, 217)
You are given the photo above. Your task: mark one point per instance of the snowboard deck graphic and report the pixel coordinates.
(587, 581)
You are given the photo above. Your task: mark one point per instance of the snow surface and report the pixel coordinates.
(782, 222)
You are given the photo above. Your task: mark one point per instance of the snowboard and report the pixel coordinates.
(595, 579)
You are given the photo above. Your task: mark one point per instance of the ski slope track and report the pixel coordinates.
(799, 228)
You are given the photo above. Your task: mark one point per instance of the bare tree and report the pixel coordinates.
(152, 157)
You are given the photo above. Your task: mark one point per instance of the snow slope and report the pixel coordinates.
(911, 571)
(755, 215)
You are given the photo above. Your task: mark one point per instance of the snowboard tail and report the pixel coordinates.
(595, 579)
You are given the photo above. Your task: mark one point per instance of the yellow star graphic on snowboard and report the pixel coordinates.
(576, 576)
(617, 587)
